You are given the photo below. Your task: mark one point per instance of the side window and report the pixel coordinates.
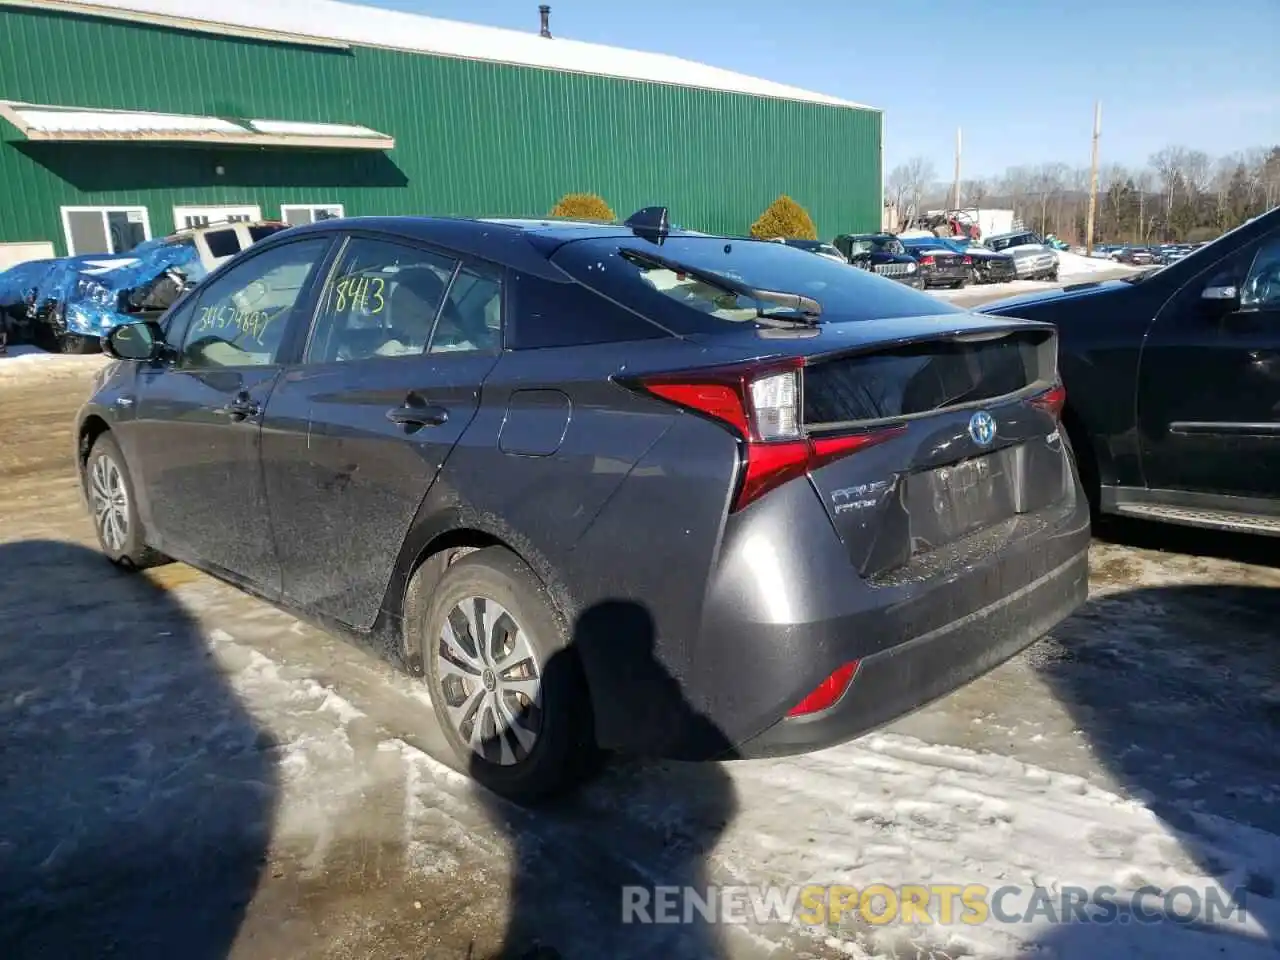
(1261, 287)
(548, 314)
(471, 320)
(241, 317)
(380, 301)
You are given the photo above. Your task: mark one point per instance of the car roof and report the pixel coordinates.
(517, 242)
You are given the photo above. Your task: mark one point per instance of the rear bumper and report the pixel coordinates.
(906, 677)
(917, 634)
(940, 275)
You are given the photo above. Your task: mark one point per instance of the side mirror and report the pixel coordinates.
(138, 342)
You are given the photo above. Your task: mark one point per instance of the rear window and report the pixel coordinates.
(1021, 239)
(261, 233)
(223, 243)
(926, 377)
(685, 305)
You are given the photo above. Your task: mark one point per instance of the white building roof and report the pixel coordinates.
(80, 124)
(330, 23)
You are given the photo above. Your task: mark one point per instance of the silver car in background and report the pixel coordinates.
(1032, 260)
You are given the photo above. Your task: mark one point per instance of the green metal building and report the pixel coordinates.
(123, 119)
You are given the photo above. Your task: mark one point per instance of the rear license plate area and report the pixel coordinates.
(950, 502)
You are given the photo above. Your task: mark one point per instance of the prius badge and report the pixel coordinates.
(982, 428)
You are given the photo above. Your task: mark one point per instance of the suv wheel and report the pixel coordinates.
(109, 490)
(506, 689)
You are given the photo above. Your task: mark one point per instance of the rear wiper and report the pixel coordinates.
(791, 307)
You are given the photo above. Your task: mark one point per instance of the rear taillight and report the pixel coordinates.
(761, 406)
(826, 693)
(1051, 401)
(968, 261)
(927, 260)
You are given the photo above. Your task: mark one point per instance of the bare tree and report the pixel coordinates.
(919, 174)
(1169, 165)
(897, 186)
(1197, 171)
(1144, 182)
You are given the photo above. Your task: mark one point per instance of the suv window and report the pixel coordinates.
(380, 301)
(1261, 288)
(241, 317)
(222, 243)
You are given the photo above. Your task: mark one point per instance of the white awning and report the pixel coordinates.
(80, 125)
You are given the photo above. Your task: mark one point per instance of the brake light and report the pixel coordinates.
(927, 260)
(827, 692)
(1051, 401)
(761, 406)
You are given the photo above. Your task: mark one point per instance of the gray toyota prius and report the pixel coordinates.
(601, 487)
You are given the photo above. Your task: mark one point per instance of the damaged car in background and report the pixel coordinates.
(68, 304)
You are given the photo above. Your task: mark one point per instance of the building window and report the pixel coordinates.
(91, 230)
(298, 214)
(187, 217)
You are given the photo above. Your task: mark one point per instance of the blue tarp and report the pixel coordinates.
(90, 286)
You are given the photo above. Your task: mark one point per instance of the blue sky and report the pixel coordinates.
(1202, 75)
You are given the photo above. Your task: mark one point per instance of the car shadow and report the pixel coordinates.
(566, 901)
(1194, 541)
(1177, 691)
(137, 793)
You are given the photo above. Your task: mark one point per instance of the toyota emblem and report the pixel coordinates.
(982, 428)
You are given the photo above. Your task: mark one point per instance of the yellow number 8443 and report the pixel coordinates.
(362, 293)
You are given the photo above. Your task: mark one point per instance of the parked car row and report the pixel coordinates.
(68, 304)
(924, 262)
(1145, 255)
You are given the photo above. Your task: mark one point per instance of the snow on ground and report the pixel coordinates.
(1073, 268)
(27, 361)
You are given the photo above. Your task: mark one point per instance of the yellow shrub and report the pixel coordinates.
(785, 218)
(582, 206)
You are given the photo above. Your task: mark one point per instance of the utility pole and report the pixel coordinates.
(956, 204)
(1093, 179)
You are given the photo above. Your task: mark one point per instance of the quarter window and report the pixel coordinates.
(241, 318)
(471, 320)
(381, 301)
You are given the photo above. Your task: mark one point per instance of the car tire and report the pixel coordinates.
(492, 591)
(113, 507)
(958, 285)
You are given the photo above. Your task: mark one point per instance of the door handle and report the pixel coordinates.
(243, 407)
(430, 415)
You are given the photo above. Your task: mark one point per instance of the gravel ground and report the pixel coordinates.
(185, 771)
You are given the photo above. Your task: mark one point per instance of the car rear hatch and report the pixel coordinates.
(966, 441)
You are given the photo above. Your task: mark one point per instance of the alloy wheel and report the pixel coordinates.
(491, 681)
(110, 502)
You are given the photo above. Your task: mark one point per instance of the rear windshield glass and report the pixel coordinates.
(223, 243)
(685, 304)
(1021, 239)
(261, 233)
